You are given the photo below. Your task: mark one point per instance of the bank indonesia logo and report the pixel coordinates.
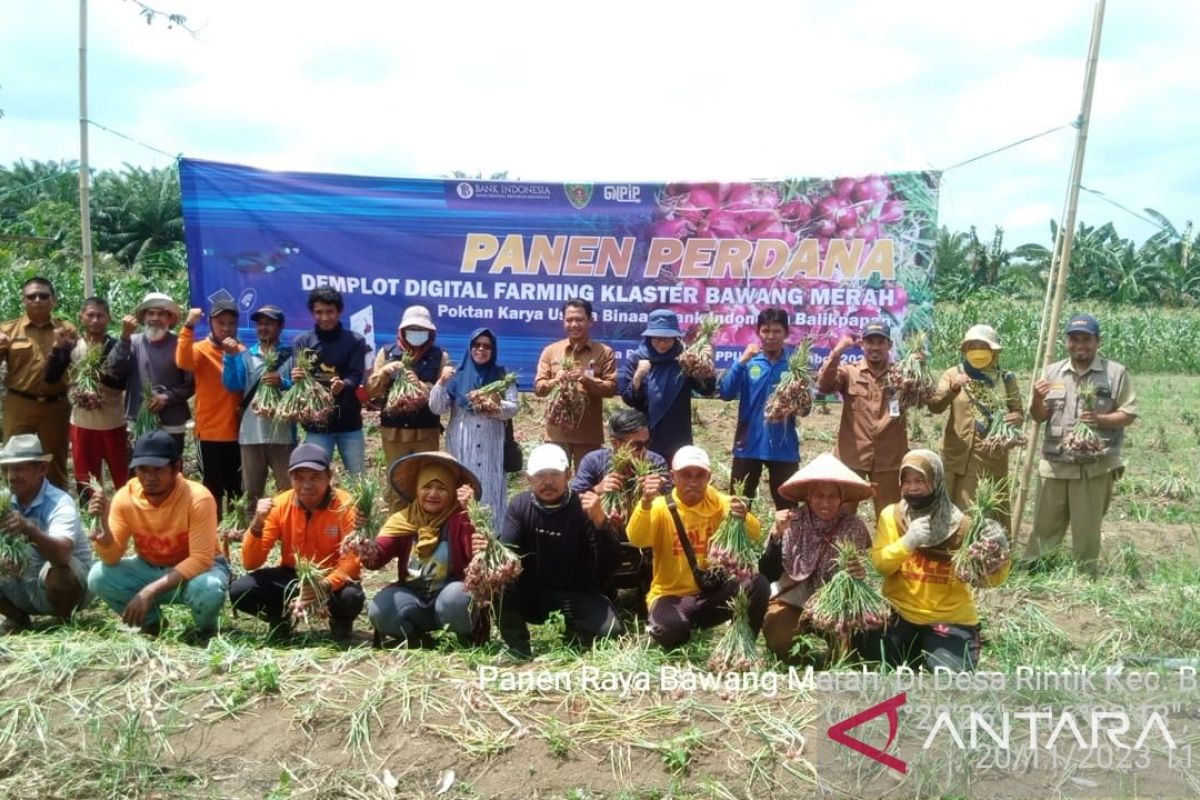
(579, 194)
(465, 190)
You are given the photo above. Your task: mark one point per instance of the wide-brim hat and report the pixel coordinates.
(825, 468)
(22, 448)
(664, 324)
(403, 473)
(982, 333)
(157, 300)
(417, 317)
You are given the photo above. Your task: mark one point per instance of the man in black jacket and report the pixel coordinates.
(566, 552)
(341, 360)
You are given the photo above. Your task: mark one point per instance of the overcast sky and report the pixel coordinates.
(646, 91)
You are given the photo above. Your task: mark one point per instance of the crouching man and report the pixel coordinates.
(678, 527)
(565, 551)
(173, 524)
(310, 521)
(50, 576)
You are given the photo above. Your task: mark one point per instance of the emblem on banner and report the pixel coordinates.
(465, 190)
(580, 194)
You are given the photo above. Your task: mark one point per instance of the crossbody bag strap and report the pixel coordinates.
(684, 541)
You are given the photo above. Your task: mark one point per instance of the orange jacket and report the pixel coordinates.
(181, 532)
(313, 535)
(216, 406)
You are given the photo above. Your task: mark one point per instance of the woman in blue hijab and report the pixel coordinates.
(475, 434)
(653, 382)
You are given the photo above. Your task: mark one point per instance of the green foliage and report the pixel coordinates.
(1143, 339)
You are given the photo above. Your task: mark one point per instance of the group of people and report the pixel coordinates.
(570, 549)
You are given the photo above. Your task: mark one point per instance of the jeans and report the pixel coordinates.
(351, 444)
(589, 615)
(398, 612)
(203, 594)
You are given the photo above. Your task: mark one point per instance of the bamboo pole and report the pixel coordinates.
(85, 176)
(1067, 230)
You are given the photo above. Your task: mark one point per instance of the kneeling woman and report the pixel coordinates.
(934, 620)
(802, 551)
(435, 527)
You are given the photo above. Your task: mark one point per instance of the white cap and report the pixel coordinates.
(691, 456)
(985, 334)
(547, 458)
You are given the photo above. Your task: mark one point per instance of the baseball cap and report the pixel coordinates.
(1084, 323)
(268, 312)
(547, 458)
(154, 449)
(691, 456)
(877, 329)
(222, 307)
(308, 456)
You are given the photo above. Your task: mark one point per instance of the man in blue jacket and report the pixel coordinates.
(758, 443)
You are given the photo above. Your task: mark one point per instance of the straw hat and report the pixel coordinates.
(404, 471)
(157, 300)
(825, 468)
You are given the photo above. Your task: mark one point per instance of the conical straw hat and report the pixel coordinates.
(825, 468)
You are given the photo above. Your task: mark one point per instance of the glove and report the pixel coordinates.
(919, 535)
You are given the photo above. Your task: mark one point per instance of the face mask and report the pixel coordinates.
(416, 337)
(919, 503)
(979, 359)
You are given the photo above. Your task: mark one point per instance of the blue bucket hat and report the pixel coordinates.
(663, 323)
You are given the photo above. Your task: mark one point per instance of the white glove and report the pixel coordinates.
(919, 535)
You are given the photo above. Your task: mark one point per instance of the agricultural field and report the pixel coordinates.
(93, 711)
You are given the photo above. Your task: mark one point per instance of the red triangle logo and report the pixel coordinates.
(838, 733)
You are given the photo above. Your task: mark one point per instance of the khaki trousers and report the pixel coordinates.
(398, 442)
(51, 423)
(887, 488)
(961, 489)
(1078, 502)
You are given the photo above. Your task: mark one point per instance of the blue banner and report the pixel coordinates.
(836, 253)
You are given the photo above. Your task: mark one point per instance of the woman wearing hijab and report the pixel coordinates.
(973, 390)
(653, 383)
(415, 431)
(476, 437)
(933, 612)
(434, 533)
(801, 553)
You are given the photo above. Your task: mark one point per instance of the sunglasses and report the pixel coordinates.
(38, 296)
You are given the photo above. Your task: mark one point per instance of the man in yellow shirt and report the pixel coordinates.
(693, 509)
(173, 524)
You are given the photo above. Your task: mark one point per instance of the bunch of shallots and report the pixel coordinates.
(308, 401)
(146, 420)
(730, 549)
(487, 398)
(14, 548)
(985, 548)
(736, 651)
(991, 407)
(84, 377)
(234, 519)
(696, 360)
(909, 378)
(408, 394)
(793, 394)
(845, 605)
(268, 397)
(1082, 442)
(568, 399)
(365, 495)
(307, 596)
(493, 567)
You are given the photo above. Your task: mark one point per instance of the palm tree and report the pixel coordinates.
(138, 212)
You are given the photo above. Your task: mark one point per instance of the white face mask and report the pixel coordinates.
(416, 337)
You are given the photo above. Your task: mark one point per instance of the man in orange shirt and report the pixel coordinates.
(173, 524)
(310, 521)
(216, 407)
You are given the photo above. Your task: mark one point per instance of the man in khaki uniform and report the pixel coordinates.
(595, 366)
(1076, 489)
(873, 436)
(31, 404)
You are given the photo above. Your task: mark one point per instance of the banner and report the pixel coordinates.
(835, 253)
